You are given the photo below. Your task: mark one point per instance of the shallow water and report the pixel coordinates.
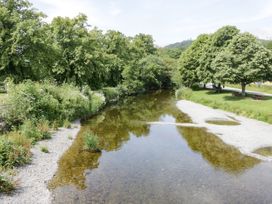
(142, 163)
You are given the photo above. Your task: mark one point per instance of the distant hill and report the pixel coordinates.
(266, 43)
(183, 45)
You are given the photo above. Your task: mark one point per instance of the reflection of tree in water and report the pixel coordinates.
(214, 150)
(114, 126)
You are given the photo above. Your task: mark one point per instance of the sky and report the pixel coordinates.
(168, 21)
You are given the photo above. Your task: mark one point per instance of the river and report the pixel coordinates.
(143, 163)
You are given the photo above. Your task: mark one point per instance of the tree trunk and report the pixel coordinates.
(243, 88)
(204, 86)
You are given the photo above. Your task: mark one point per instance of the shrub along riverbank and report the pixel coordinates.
(259, 109)
(34, 110)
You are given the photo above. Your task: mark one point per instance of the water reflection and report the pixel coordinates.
(118, 123)
(214, 150)
(114, 127)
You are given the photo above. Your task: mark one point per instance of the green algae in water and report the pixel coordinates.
(264, 151)
(142, 163)
(223, 122)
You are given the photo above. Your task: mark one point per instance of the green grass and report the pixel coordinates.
(254, 87)
(91, 142)
(6, 184)
(246, 106)
(44, 149)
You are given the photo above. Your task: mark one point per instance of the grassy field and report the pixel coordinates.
(257, 109)
(254, 87)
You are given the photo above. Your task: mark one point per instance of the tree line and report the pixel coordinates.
(226, 56)
(69, 50)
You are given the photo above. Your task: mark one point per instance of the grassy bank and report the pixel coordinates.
(253, 87)
(245, 106)
(36, 109)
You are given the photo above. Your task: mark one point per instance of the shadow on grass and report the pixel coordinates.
(239, 98)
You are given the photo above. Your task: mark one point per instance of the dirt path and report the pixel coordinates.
(247, 137)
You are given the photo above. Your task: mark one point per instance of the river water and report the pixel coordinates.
(142, 163)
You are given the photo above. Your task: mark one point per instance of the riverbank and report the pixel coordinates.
(248, 137)
(258, 108)
(33, 178)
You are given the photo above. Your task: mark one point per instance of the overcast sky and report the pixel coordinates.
(168, 21)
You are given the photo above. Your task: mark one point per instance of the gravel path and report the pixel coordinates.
(247, 137)
(33, 178)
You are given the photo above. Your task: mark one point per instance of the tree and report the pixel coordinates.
(142, 45)
(190, 60)
(118, 56)
(244, 61)
(150, 73)
(80, 55)
(24, 45)
(216, 43)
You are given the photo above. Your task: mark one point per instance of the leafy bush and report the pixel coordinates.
(6, 184)
(18, 139)
(44, 149)
(97, 101)
(44, 128)
(67, 124)
(183, 93)
(91, 142)
(12, 154)
(46, 101)
(29, 130)
(30, 100)
(111, 94)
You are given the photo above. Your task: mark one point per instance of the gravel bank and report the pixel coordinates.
(247, 137)
(33, 178)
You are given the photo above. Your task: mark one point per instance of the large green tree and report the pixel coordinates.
(150, 73)
(244, 61)
(80, 52)
(216, 43)
(190, 60)
(24, 42)
(117, 55)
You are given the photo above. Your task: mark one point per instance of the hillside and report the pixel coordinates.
(183, 44)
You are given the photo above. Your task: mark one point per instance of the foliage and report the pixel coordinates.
(67, 124)
(12, 154)
(111, 94)
(150, 73)
(97, 102)
(190, 61)
(183, 93)
(216, 43)
(91, 142)
(44, 149)
(46, 101)
(31, 131)
(6, 184)
(243, 61)
(24, 43)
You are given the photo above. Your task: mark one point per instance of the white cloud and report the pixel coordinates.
(68, 8)
(167, 20)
